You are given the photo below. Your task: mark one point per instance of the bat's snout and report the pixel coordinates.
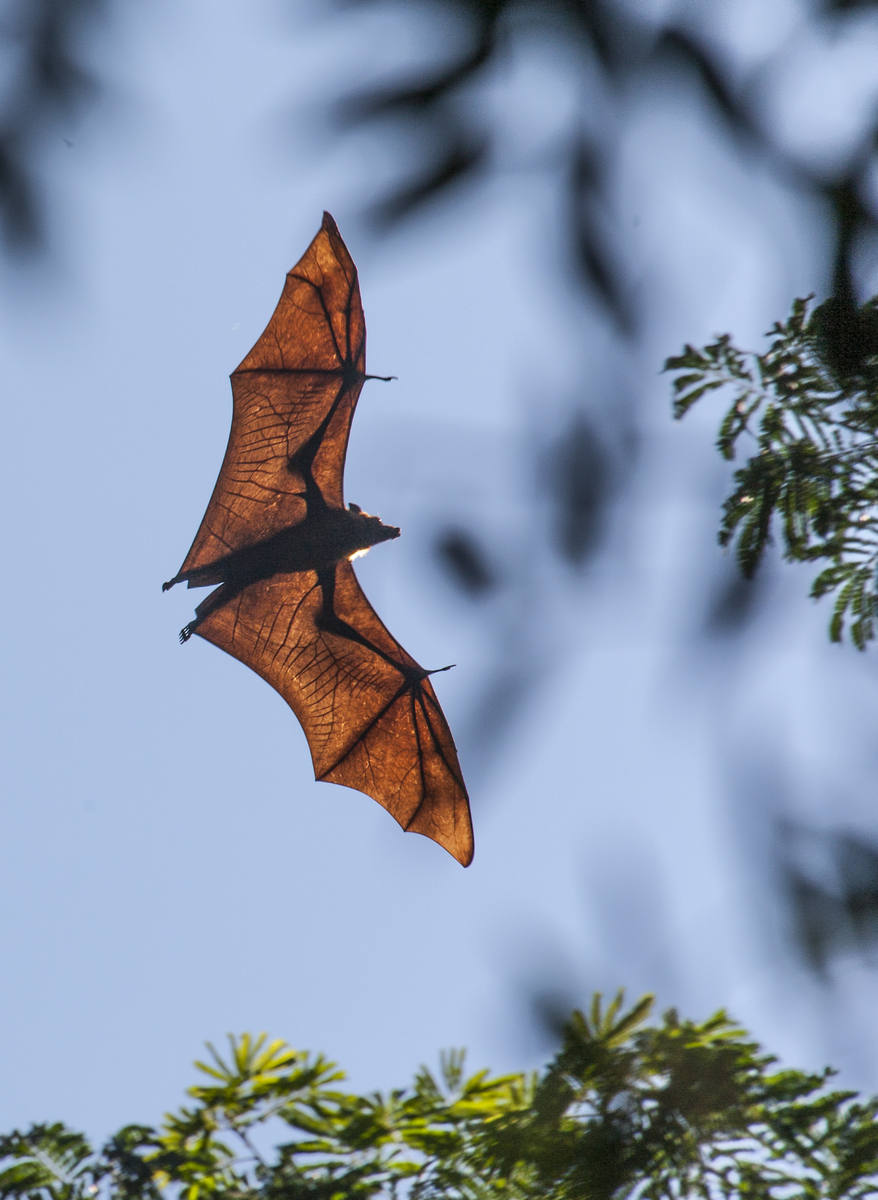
(387, 532)
(383, 532)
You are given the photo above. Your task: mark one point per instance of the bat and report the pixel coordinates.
(276, 543)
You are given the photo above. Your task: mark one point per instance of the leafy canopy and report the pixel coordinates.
(625, 1109)
(810, 419)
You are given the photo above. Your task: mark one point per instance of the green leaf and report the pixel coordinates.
(24, 1177)
(634, 1017)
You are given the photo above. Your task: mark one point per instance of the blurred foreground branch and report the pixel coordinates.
(43, 80)
(609, 52)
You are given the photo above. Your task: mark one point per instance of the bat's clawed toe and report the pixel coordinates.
(186, 633)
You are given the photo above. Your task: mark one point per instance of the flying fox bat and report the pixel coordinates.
(276, 543)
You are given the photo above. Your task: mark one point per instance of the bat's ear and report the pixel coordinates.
(354, 508)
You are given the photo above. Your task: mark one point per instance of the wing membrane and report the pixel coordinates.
(304, 372)
(369, 711)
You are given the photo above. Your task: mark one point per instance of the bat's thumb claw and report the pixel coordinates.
(439, 670)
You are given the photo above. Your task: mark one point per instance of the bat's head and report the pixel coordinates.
(369, 530)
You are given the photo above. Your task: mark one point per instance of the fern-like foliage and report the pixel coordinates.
(810, 426)
(49, 1162)
(627, 1108)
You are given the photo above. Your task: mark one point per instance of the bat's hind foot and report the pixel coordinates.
(187, 631)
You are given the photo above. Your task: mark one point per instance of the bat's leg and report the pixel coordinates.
(210, 573)
(209, 604)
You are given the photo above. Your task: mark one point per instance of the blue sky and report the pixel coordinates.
(171, 870)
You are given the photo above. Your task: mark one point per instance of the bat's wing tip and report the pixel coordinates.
(464, 857)
(459, 845)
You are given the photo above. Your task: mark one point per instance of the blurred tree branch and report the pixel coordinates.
(43, 81)
(616, 47)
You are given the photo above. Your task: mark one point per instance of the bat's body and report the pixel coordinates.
(316, 544)
(277, 539)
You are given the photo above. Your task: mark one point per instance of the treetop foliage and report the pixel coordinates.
(625, 1109)
(810, 420)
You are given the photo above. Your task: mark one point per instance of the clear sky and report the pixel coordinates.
(170, 869)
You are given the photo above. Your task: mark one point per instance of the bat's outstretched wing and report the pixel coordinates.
(276, 537)
(295, 391)
(368, 710)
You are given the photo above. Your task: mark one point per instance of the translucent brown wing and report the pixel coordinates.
(305, 370)
(275, 538)
(368, 710)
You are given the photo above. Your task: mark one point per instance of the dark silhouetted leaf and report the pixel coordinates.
(463, 558)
